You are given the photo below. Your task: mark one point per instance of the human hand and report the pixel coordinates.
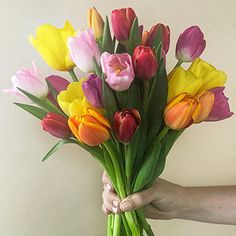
(161, 200)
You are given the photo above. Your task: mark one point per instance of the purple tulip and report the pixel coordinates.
(190, 44)
(56, 125)
(59, 84)
(118, 69)
(92, 88)
(84, 50)
(30, 81)
(220, 110)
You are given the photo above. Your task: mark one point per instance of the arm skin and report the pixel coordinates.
(165, 200)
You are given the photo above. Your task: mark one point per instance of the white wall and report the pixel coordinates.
(63, 195)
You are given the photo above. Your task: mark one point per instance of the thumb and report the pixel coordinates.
(137, 200)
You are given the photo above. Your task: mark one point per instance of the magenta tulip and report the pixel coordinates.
(84, 50)
(220, 110)
(126, 123)
(122, 21)
(56, 125)
(118, 69)
(92, 88)
(30, 81)
(145, 62)
(190, 44)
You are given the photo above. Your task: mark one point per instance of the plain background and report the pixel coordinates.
(62, 196)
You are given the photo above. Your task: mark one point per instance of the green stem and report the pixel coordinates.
(164, 132)
(144, 222)
(145, 95)
(109, 225)
(179, 63)
(125, 223)
(117, 224)
(73, 75)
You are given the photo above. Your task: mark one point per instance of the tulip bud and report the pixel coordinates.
(220, 109)
(125, 124)
(145, 62)
(90, 128)
(56, 125)
(95, 22)
(190, 44)
(165, 36)
(92, 88)
(122, 21)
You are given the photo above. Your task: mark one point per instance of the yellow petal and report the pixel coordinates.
(77, 106)
(183, 82)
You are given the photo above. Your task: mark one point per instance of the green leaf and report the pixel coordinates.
(43, 103)
(135, 38)
(166, 145)
(148, 167)
(52, 90)
(55, 148)
(121, 48)
(107, 42)
(97, 69)
(35, 111)
(157, 102)
(158, 39)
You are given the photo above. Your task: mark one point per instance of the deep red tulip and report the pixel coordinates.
(145, 62)
(125, 124)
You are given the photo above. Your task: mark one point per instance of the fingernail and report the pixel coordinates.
(125, 206)
(108, 187)
(115, 203)
(114, 209)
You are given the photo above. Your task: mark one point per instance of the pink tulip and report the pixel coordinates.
(118, 69)
(190, 44)
(56, 125)
(30, 81)
(59, 84)
(83, 50)
(122, 21)
(220, 110)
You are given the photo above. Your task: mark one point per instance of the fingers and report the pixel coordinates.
(137, 200)
(107, 185)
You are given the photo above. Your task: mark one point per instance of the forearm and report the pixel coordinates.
(208, 204)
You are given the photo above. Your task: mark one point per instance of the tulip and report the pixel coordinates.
(178, 113)
(56, 125)
(92, 88)
(190, 44)
(59, 84)
(95, 22)
(118, 69)
(51, 43)
(30, 81)
(84, 50)
(220, 110)
(90, 128)
(150, 37)
(72, 100)
(126, 123)
(145, 62)
(122, 21)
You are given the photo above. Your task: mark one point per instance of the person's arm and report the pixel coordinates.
(165, 200)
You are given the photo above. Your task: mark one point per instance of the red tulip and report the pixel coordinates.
(122, 21)
(56, 125)
(145, 62)
(125, 124)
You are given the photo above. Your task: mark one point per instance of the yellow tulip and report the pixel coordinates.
(72, 100)
(95, 22)
(51, 43)
(211, 77)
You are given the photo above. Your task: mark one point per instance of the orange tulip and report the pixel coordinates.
(90, 128)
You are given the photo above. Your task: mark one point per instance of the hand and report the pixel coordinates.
(160, 201)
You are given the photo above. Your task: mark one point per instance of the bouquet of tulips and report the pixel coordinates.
(127, 112)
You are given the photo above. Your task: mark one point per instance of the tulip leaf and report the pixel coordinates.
(35, 111)
(166, 145)
(121, 48)
(147, 170)
(135, 38)
(52, 90)
(97, 69)
(157, 102)
(158, 39)
(107, 42)
(43, 103)
(56, 147)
